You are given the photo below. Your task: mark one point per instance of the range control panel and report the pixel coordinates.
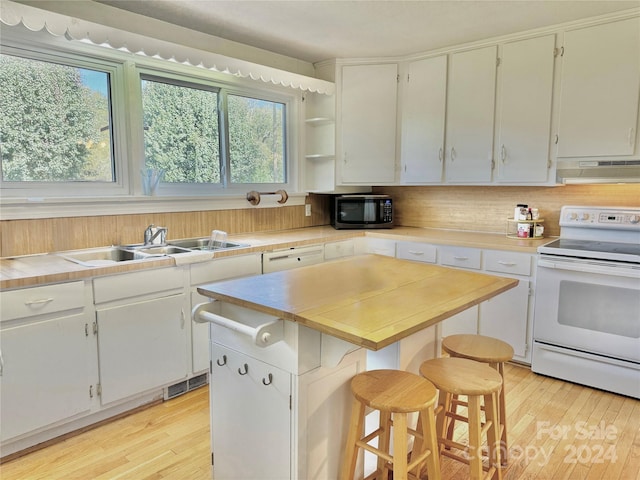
(601, 217)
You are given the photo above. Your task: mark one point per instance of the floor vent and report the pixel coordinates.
(173, 391)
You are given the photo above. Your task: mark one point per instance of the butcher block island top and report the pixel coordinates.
(371, 301)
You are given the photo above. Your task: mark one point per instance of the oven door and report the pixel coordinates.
(588, 305)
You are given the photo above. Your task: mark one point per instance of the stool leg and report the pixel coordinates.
(430, 443)
(452, 420)
(400, 450)
(356, 425)
(475, 442)
(383, 442)
(444, 402)
(493, 433)
(502, 412)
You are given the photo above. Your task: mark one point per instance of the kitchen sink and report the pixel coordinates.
(110, 255)
(203, 244)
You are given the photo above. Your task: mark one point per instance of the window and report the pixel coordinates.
(182, 135)
(56, 122)
(256, 140)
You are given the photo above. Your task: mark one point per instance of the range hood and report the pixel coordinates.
(571, 171)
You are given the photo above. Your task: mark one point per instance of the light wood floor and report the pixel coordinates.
(549, 421)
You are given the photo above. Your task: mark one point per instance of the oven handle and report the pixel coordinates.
(599, 269)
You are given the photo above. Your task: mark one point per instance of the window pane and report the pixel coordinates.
(181, 132)
(55, 124)
(256, 140)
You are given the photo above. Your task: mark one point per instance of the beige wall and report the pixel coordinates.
(486, 209)
(482, 209)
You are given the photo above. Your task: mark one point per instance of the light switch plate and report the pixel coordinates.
(307, 210)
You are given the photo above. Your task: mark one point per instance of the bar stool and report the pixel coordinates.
(479, 382)
(395, 394)
(486, 350)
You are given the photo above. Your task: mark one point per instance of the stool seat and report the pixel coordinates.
(395, 394)
(478, 347)
(393, 390)
(461, 376)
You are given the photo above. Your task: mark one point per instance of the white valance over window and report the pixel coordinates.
(73, 29)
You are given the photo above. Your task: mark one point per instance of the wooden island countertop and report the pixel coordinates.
(371, 301)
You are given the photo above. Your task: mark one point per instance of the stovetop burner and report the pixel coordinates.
(626, 252)
(604, 233)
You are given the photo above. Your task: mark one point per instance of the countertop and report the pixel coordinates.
(32, 270)
(370, 300)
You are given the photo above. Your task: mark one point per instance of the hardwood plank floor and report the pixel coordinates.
(557, 430)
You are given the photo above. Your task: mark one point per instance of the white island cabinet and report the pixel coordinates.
(285, 345)
(47, 357)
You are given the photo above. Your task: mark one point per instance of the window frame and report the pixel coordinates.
(126, 71)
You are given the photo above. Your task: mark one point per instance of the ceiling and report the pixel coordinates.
(316, 30)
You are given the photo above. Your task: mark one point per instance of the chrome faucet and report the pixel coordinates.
(151, 234)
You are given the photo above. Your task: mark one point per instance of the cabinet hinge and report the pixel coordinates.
(398, 78)
(95, 328)
(90, 391)
(498, 61)
(86, 329)
(558, 52)
(290, 402)
(408, 77)
(211, 458)
(99, 389)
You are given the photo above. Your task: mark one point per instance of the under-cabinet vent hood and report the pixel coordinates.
(598, 171)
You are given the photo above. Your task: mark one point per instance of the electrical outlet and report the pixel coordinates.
(307, 210)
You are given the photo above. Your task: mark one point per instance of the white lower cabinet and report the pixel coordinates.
(142, 331)
(506, 316)
(141, 346)
(47, 358)
(45, 374)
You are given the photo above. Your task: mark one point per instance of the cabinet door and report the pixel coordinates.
(464, 322)
(423, 114)
(250, 421)
(505, 317)
(368, 123)
(525, 94)
(599, 92)
(141, 346)
(470, 115)
(45, 374)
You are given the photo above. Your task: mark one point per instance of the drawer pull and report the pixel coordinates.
(38, 302)
(507, 264)
(267, 382)
(415, 252)
(463, 259)
(224, 361)
(246, 369)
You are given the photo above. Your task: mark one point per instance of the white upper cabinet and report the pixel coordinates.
(470, 116)
(423, 114)
(525, 92)
(599, 90)
(368, 105)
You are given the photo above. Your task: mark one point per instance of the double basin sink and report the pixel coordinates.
(127, 253)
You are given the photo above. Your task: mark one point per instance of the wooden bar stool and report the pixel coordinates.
(395, 394)
(486, 350)
(479, 382)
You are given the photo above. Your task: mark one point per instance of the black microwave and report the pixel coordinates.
(362, 211)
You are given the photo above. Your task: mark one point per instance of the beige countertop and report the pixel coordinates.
(369, 300)
(32, 270)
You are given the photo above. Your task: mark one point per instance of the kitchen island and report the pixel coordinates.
(285, 345)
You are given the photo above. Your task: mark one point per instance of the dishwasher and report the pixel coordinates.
(289, 258)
